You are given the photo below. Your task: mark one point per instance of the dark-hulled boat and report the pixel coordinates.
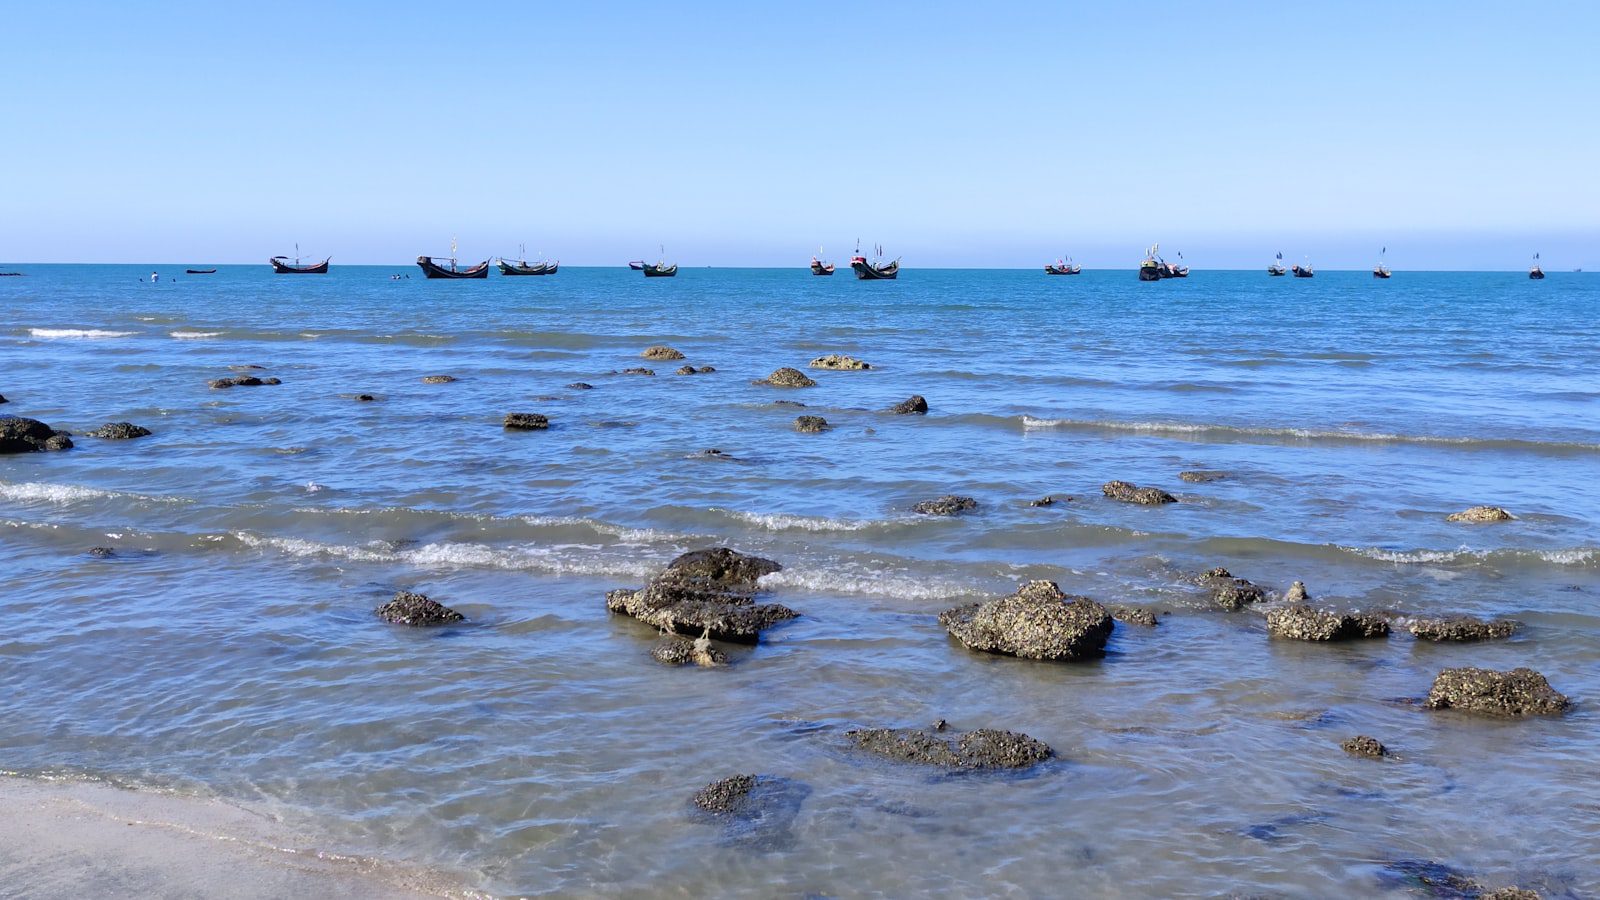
(1536, 273)
(818, 267)
(282, 265)
(1277, 269)
(435, 270)
(661, 270)
(523, 267)
(1151, 267)
(199, 271)
(1062, 267)
(877, 270)
(1380, 270)
(636, 265)
(1174, 270)
(1304, 271)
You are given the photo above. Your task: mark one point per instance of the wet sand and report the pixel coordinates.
(84, 839)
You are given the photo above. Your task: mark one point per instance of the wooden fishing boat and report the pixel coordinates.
(1150, 268)
(282, 265)
(818, 267)
(1304, 271)
(1380, 270)
(1062, 267)
(523, 267)
(435, 270)
(661, 270)
(1173, 270)
(1277, 269)
(876, 270)
(636, 265)
(1536, 273)
(199, 271)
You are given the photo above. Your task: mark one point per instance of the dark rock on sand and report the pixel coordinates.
(1131, 493)
(709, 593)
(677, 650)
(1519, 692)
(838, 361)
(1480, 514)
(639, 371)
(19, 435)
(661, 353)
(811, 424)
(527, 421)
(1231, 593)
(581, 386)
(948, 505)
(1037, 622)
(788, 377)
(1362, 745)
(415, 609)
(1201, 476)
(102, 552)
(438, 379)
(1461, 628)
(914, 405)
(120, 431)
(985, 748)
(1134, 615)
(1303, 623)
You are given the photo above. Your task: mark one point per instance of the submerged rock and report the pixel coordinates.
(984, 748)
(415, 609)
(19, 435)
(795, 403)
(685, 370)
(838, 361)
(1201, 476)
(1362, 745)
(1519, 692)
(788, 377)
(1461, 628)
(527, 421)
(581, 386)
(438, 379)
(661, 353)
(244, 381)
(120, 431)
(811, 424)
(3, 399)
(1037, 622)
(1230, 593)
(709, 593)
(1480, 514)
(365, 398)
(1134, 615)
(676, 650)
(714, 453)
(1132, 493)
(102, 552)
(948, 505)
(707, 370)
(914, 405)
(1042, 501)
(1303, 623)
(726, 795)
(639, 371)
(756, 812)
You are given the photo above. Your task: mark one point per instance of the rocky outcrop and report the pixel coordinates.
(527, 421)
(1480, 514)
(1461, 628)
(839, 361)
(1519, 692)
(648, 373)
(254, 381)
(811, 424)
(1133, 615)
(709, 593)
(914, 405)
(19, 435)
(415, 609)
(1303, 623)
(1362, 745)
(1201, 476)
(1132, 493)
(120, 431)
(948, 505)
(661, 353)
(984, 748)
(788, 377)
(438, 379)
(676, 650)
(1037, 622)
(1230, 593)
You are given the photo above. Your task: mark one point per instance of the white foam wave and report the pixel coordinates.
(786, 522)
(194, 335)
(1030, 422)
(44, 492)
(564, 560)
(77, 333)
(899, 587)
(1575, 556)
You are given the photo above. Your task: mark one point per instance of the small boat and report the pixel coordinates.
(199, 271)
(1150, 267)
(521, 266)
(1276, 269)
(877, 270)
(1380, 270)
(1062, 267)
(1536, 273)
(283, 266)
(435, 270)
(1304, 271)
(636, 265)
(1174, 270)
(818, 267)
(661, 270)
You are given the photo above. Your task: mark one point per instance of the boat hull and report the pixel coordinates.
(282, 266)
(1380, 273)
(433, 270)
(1062, 270)
(199, 271)
(511, 268)
(1300, 272)
(818, 268)
(1536, 275)
(1149, 273)
(866, 271)
(660, 271)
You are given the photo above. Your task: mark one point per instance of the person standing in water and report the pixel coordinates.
(155, 277)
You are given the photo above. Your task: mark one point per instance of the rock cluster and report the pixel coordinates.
(839, 361)
(811, 424)
(984, 748)
(527, 421)
(661, 352)
(1200, 476)
(1519, 692)
(1480, 514)
(1132, 493)
(1362, 745)
(1461, 628)
(415, 609)
(253, 381)
(1303, 623)
(948, 505)
(19, 435)
(1297, 593)
(913, 405)
(120, 431)
(1134, 615)
(1037, 622)
(788, 377)
(691, 370)
(1230, 593)
(709, 593)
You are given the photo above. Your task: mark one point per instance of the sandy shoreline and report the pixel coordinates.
(74, 838)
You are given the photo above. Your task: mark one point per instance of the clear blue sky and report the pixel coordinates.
(1461, 135)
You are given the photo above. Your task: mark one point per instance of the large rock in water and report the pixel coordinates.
(19, 435)
(416, 609)
(839, 361)
(1461, 628)
(1519, 692)
(1480, 514)
(1230, 593)
(527, 421)
(1132, 493)
(914, 405)
(705, 593)
(1302, 623)
(1037, 622)
(788, 377)
(985, 748)
(120, 431)
(661, 353)
(948, 505)
(811, 424)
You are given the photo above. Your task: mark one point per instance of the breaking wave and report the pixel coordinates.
(77, 333)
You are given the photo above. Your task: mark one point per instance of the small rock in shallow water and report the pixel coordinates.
(1461, 628)
(1519, 692)
(1042, 501)
(913, 406)
(102, 552)
(1480, 514)
(19, 435)
(120, 431)
(365, 398)
(676, 650)
(948, 505)
(1230, 593)
(661, 352)
(438, 379)
(1132, 493)
(707, 370)
(241, 381)
(1362, 745)
(685, 370)
(581, 386)
(639, 371)
(1297, 593)
(726, 795)
(3, 399)
(1196, 476)
(709, 593)
(1302, 623)
(1133, 615)
(527, 421)
(985, 748)
(1037, 622)
(788, 377)
(415, 609)
(811, 424)
(838, 361)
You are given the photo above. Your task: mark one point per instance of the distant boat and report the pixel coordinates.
(1536, 273)
(10, 274)
(1304, 271)
(877, 270)
(1174, 270)
(282, 266)
(1380, 270)
(435, 270)
(661, 269)
(1277, 269)
(1062, 267)
(1150, 268)
(818, 267)
(523, 267)
(199, 271)
(636, 265)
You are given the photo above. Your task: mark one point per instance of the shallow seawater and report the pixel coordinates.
(229, 645)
